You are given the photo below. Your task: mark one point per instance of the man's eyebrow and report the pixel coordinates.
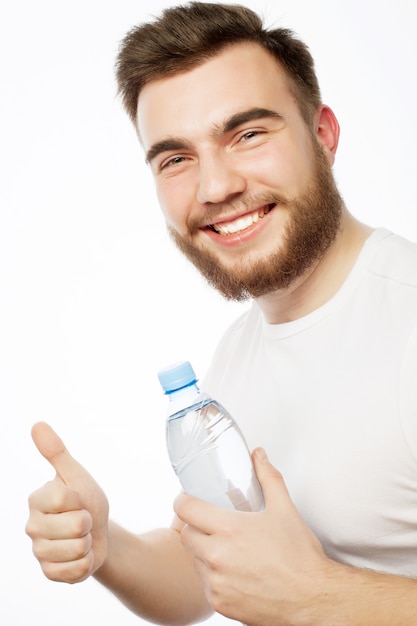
(247, 116)
(170, 143)
(236, 120)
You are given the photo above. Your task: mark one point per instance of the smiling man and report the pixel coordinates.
(320, 371)
(244, 183)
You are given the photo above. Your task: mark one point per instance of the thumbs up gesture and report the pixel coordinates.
(68, 519)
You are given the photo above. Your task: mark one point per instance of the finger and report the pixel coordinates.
(55, 497)
(206, 517)
(69, 525)
(194, 539)
(69, 571)
(62, 550)
(200, 545)
(270, 479)
(54, 451)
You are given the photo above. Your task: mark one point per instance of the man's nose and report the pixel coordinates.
(219, 180)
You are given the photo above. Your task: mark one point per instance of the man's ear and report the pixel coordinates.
(327, 131)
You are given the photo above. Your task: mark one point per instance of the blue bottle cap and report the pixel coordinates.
(177, 376)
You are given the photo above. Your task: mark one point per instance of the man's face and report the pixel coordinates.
(244, 185)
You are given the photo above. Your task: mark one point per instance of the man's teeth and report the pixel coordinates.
(229, 228)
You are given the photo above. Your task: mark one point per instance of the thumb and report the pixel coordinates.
(54, 451)
(270, 479)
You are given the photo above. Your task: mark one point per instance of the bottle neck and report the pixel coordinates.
(182, 398)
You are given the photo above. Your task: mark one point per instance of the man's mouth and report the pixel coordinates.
(241, 223)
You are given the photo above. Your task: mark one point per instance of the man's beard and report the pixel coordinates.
(314, 221)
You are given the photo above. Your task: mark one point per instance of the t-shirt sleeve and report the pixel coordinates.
(408, 393)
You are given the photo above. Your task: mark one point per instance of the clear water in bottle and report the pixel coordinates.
(205, 445)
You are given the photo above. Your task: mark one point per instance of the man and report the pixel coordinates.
(320, 371)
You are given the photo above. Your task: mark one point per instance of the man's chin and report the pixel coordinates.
(238, 280)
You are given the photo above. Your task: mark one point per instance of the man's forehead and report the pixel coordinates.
(242, 77)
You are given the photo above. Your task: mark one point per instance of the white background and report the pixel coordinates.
(93, 297)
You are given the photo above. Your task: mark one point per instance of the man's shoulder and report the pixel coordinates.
(396, 260)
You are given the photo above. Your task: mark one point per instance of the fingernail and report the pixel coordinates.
(261, 455)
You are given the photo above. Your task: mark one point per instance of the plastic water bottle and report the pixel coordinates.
(205, 445)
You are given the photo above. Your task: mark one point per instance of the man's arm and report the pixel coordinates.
(268, 568)
(73, 539)
(154, 576)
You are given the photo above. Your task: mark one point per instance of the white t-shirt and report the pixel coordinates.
(332, 397)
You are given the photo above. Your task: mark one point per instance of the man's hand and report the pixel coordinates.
(68, 518)
(258, 568)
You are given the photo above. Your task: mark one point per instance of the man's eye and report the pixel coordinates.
(250, 134)
(172, 161)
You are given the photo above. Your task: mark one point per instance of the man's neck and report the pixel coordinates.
(320, 282)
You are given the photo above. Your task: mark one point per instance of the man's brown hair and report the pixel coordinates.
(187, 35)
